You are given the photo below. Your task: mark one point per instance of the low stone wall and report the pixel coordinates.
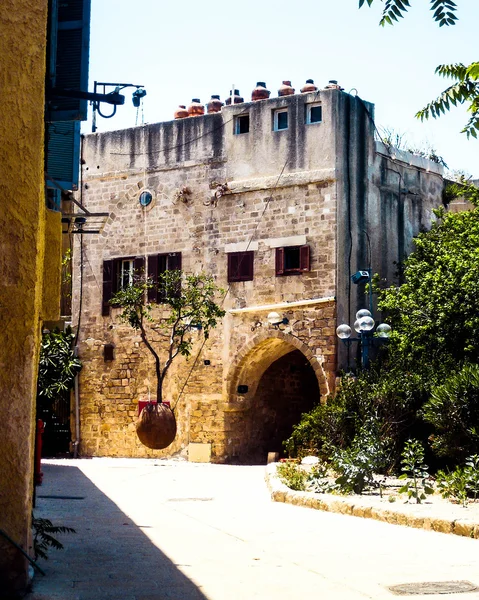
(419, 516)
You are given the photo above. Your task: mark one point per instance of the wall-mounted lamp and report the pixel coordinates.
(276, 320)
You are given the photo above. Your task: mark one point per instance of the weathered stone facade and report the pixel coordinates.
(216, 192)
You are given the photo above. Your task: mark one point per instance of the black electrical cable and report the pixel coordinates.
(229, 286)
(80, 301)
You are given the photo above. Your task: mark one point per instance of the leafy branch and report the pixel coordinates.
(190, 300)
(465, 89)
(395, 9)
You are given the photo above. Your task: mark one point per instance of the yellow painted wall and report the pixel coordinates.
(30, 240)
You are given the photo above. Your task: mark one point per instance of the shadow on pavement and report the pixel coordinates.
(109, 557)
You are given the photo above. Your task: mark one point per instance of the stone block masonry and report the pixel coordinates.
(281, 196)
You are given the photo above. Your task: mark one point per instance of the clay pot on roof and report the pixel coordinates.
(309, 87)
(237, 99)
(196, 109)
(214, 105)
(181, 112)
(332, 85)
(285, 89)
(260, 92)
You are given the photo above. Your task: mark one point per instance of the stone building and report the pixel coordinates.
(281, 200)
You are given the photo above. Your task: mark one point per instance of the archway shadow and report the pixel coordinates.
(281, 385)
(109, 557)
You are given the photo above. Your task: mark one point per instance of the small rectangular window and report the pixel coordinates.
(292, 259)
(126, 273)
(240, 266)
(280, 119)
(241, 123)
(314, 113)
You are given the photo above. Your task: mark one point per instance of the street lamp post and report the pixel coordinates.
(364, 326)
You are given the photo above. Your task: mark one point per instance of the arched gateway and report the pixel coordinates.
(274, 379)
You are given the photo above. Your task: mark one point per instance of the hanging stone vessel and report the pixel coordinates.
(156, 426)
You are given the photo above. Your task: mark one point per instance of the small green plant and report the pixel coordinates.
(461, 483)
(356, 465)
(292, 475)
(43, 539)
(319, 480)
(453, 485)
(472, 469)
(415, 472)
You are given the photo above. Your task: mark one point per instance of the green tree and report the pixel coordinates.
(435, 313)
(57, 365)
(465, 87)
(190, 300)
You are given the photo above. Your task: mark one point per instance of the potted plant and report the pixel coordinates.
(190, 303)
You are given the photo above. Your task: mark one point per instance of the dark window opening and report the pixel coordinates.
(292, 259)
(157, 265)
(314, 113)
(240, 266)
(280, 120)
(241, 124)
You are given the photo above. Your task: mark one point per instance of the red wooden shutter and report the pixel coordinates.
(108, 292)
(279, 261)
(153, 277)
(231, 266)
(304, 258)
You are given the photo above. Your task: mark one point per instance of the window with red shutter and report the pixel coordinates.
(292, 260)
(240, 266)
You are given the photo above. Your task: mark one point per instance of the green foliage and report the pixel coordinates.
(357, 464)
(331, 425)
(190, 300)
(462, 189)
(453, 410)
(319, 480)
(462, 483)
(464, 89)
(434, 314)
(394, 9)
(43, 539)
(292, 475)
(57, 365)
(415, 472)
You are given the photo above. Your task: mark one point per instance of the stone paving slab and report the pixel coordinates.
(441, 516)
(156, 530)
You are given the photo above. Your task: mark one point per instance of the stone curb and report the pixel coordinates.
(360, 508)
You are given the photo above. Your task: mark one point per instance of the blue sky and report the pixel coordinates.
(187, 49)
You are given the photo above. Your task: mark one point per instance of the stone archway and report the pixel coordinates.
(283, 380)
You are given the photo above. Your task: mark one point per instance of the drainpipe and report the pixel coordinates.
(76, 443)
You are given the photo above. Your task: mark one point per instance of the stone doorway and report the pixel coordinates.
(282, 385)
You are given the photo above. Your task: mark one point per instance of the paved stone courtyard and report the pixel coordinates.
(161, 529)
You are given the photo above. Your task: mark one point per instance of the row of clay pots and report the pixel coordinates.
(196, 109)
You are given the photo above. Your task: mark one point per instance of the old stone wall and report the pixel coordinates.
(29, 233)
(324, 185)
(285, 207)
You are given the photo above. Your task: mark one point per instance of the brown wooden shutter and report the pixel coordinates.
(108, 273)
(161, 269)
(304, 258)
(232, 266)
(247, 270)
(139, 268)
(174, 264)
(279, 261)
(174, 261)
(153, 277)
